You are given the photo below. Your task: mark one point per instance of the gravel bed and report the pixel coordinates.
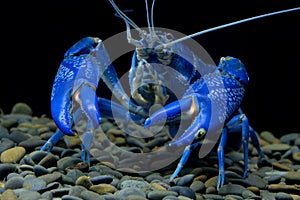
(26, 173)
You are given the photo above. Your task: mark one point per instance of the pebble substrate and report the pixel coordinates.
(27, 173)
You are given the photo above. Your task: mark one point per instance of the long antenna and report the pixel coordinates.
(227, 25)
(148, 17)
(124, 17)
(152, 20)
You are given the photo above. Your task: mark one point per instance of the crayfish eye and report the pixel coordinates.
(200, 133)
(223, 61)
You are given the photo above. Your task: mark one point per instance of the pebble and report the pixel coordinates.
(231, 189)
(9, 195)
(160, 194)
(21, 108)
(5, 144)
(292, 177)
(103, 188)
(12, 155)
(14, 183)
(101, 179)
(27, 173)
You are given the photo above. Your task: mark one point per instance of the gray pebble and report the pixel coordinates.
(112, 197)
(197, 186)
(158, 141)
(289, 138)
(25, 173)
(49, 187)
(6, 168)
(75, 174)
(122, 194)
(101, 179)
(274, 179)
(69, 197)
(135, 197)
(18, 136)
(47, 195)
(29, 195)
(13, 174)
(76, 190)
(66, 162)
(21, 108)
(40, 170)
(183, 191)
(49, 178)
(233, 197)
(48, 161)
(3, 132)
(6, 144)
(154, 176)
(25, 167)
(265, 194)
(160, 194)
(170, 198)
(213, 197)
(235, 156)
(60, 192)
(89, 195)
(185, 180)
(277, 147)
(283, 196)
(268, 136)
(31, 143)
(9, 122)
(14, 183)
(143, 185)
(297, 142)
(34, 184)
(247, 194)
(231, 189)
(257, 181)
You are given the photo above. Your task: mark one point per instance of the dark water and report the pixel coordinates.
(35, 39)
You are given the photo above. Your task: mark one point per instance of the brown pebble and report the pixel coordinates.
(292, 177)
(296, 156)
(295, 197)
(9, 195)
(212, 182)
(202, 178)
(254, 189)
(84, 181)
(103, 188)
(280, 166)
(158, 186)
(12, 155)
(283, 188)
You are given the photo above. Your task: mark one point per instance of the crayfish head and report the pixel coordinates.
(235, 68)
(153, 45)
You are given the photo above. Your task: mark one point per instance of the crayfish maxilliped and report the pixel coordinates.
(209, 101)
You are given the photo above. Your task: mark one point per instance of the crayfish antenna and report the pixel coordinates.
(230, 24)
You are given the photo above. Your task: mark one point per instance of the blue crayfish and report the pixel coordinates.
(210, 101)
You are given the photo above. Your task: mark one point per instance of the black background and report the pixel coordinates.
(35, 36)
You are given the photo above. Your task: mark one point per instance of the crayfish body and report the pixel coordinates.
(207, 97)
